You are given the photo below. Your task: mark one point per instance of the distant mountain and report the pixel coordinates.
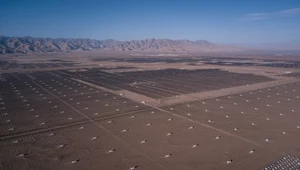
(27, 45)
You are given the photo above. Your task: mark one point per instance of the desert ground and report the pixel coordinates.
(174, 113)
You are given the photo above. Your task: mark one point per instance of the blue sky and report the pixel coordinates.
(220, 21)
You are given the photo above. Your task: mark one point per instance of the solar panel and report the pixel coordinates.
(287, 162)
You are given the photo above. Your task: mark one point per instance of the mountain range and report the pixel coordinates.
(27, 45)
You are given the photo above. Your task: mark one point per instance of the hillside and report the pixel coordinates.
(27, 45)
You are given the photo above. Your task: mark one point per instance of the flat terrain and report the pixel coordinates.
(168, 82)
(143, 114)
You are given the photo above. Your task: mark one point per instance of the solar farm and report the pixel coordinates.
(172, 114)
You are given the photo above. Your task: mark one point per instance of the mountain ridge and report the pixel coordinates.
(27, 45)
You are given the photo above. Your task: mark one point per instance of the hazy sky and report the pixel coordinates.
(221, 21)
